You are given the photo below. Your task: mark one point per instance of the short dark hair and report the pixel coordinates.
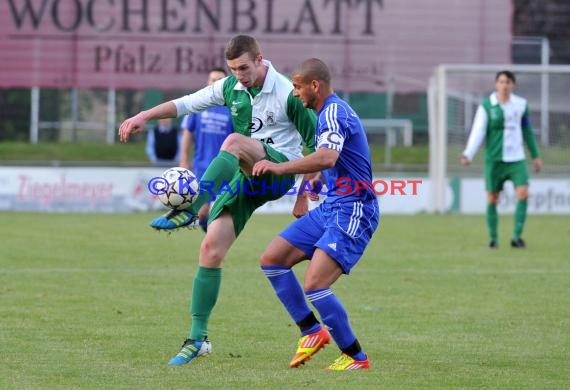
(241, 44)
(314, 69)
(510, 75)
(217, 69)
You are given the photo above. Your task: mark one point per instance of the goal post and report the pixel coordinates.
(454, 93)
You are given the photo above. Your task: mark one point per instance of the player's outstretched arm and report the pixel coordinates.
(136, 123)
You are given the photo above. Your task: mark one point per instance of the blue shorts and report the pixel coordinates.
(342, 230)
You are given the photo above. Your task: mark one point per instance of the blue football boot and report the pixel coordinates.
(174, 219)
(191, 349)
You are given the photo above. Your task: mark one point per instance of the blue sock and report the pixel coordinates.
(290, 294)
(335, 319)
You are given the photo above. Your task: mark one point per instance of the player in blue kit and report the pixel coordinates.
(205, 132)
(334, 235)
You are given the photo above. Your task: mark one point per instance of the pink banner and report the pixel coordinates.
(172, 43)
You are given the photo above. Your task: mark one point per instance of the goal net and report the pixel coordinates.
(454, 93)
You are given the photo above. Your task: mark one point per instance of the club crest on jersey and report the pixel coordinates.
(270, 118)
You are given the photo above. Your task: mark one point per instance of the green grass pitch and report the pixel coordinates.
(100, 302)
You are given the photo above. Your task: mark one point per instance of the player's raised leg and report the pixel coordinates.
(237, 152)
(205, 290)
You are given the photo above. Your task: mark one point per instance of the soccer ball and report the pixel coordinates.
(182, 189)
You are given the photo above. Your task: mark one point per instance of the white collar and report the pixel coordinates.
(495, 100)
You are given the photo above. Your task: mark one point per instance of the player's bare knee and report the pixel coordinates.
(233, 143)
(282, 259)
(310, 284)
(210, 254)
(492, 197)
(267, 259)
(522, 193)
(247, 150)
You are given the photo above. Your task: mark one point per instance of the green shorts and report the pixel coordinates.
(497, 172)
(245, 194)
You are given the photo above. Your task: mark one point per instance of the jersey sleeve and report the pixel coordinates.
(477, 134)
(305, 120)
(528, 135)
(209, 96)
(331, 128)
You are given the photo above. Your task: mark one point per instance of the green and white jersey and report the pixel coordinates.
(272, 115)
(506, 128)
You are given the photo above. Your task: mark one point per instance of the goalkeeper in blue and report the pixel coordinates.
(332, 236)
(502, 120)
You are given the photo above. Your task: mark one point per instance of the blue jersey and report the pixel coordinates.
(339, 128)
(210, 129)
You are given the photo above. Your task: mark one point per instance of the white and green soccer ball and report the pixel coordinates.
(182, 188)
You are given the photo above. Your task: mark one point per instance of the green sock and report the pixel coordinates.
(520, 217)
(220, 171)
(492, 220)
(204, 296)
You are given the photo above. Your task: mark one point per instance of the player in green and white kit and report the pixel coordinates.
(269, 123)
(503, 120)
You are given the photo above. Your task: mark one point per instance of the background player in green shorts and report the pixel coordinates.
(269, 123)
(502, 120)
